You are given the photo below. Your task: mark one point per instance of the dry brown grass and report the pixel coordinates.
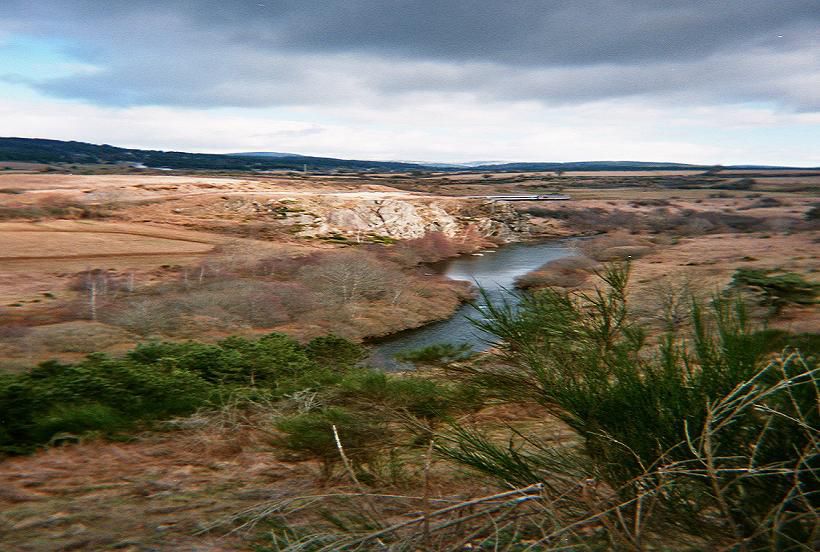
(616, 246)
(204, 485)
(57, 245)
(570, 272)
(156, 492)
(710, 261)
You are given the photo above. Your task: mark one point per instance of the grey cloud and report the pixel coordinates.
(265, 52)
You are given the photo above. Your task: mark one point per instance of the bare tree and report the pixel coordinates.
(98, 286)
(145, 315)
(668, 301)
(350, 277)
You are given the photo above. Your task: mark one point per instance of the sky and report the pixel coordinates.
(695, 81)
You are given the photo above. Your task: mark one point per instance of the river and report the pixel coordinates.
(495, 271)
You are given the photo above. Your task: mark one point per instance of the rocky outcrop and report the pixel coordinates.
(390, 217)
(496, 219)
(394, 218)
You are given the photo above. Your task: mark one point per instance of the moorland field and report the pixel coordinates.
(182, 361)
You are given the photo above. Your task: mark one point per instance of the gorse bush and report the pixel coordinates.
(376, 414)
(100, 394)
(420, 397)
(438, 353)
(157, 380)
(233, 360)
(310, 435)
(723, 443)
(380, 420)
(777, 290)
(334, 351)
(68, 421)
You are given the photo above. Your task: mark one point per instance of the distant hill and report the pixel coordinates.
(265, 154)
(455, 166)
(594, 166)
(37, 150)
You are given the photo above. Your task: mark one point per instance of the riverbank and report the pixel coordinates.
(495, 272)
(218, 256)
(664, 270)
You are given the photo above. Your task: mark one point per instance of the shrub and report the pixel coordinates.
(212, 363)
(421, 397)
(696, 226)
(137, 390)
(100, 393)
(77, 336)
(437, 353)
(666, 302)
(351, 276)
(767, 202)
(156, 380)
(777, 290)
(264, 360)
(14, 331)
(56, 207)
(568, 273)
(76, 419)
(720, 440)
(580, 352)
(433, 246)
(254, 302)
(334, 351)
(274, 361)
(311, 435)
(614, 246)
(739, 184)
(144, 315)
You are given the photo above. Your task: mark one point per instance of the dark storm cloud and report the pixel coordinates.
(265, 52)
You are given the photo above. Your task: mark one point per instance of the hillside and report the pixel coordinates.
(37, 150)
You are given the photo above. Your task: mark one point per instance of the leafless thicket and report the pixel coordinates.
(349, 291)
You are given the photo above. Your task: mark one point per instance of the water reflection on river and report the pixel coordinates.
(495, 271)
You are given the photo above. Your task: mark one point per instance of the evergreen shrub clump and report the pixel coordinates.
(707, 436)
(158, 380)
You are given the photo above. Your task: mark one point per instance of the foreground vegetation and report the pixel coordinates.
(704, 436)
(108, 396)
(706, 440)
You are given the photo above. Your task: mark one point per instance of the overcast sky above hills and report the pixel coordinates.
(700, 81)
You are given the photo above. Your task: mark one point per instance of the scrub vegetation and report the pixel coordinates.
(361, 292)
(701, 436)
(656, 391)
(706, 440)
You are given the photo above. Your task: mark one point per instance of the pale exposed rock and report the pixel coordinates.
(407, 219)
(389, 217)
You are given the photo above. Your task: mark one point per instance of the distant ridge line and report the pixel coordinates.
(40, 150)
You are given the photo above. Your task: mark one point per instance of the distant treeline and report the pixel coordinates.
(37, 150)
